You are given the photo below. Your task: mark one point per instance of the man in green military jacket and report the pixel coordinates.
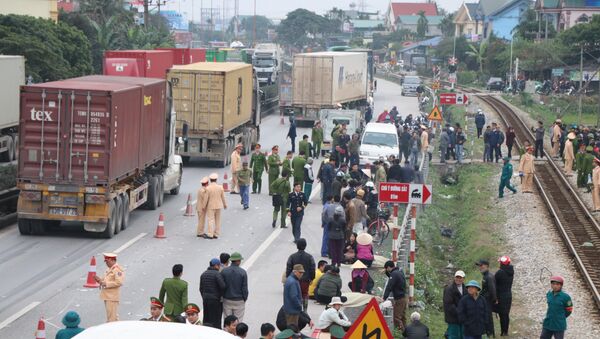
(287, 163)
(298, 166)
(304, 145)
(579, 159)
(507, 172)
(274, 162)
(560, 307)
(176, 290)
(586, 167)
(317, 139)
(244, 178)
(258, 163)
(281, 189)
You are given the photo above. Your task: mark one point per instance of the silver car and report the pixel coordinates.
(410, 84)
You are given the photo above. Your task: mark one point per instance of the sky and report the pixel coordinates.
(279, 8)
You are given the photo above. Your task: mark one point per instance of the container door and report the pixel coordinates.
(183, 97)
(209, 101)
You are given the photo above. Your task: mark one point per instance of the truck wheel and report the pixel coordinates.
(25, 226)
(109, 231)
(119, 214)
(9, 154)
(125, 220)
(161, 189)
(152, 202)
(38, 227)
(175, 190)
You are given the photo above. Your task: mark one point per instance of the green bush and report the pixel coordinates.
(467, 78)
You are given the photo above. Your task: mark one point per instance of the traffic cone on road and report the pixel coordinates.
(41, 330)
(160, 229)
(91, 283)
(189, 210)
(225, 183)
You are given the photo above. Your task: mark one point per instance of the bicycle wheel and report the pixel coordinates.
(384, 231)
(375, 231)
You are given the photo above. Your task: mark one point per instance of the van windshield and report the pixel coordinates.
(380, 139)
(412, 80)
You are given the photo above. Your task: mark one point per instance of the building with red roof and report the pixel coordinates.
(404, 9)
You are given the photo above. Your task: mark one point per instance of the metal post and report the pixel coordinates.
(254, 26)
(510, 81)
(454, 56)
(411, 260)
(580, 85)
(396, 233)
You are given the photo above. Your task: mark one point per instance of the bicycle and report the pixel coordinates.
(379, 228)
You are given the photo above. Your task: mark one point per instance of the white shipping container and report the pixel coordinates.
(12, 69)
(325, 79)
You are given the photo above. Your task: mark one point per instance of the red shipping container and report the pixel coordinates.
(88, 132)
(186, 56)
(138, 63)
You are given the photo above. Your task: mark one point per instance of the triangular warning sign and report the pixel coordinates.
(435, 114)
(369, 324)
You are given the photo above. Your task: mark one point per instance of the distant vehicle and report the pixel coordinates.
(267, 62)
(378, 140)
(410, 84)
(13, 76)
(495, 84)
(151, 330)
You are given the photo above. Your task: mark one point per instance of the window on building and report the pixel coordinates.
(583, 19)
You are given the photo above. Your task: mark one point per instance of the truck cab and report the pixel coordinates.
(266, 65)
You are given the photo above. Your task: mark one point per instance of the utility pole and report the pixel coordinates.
(454, 56)
(580, 85)
(254, 26)
(146, 4)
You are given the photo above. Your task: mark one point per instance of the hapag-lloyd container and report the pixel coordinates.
(138, 63)
(91, 131)
(186, 56)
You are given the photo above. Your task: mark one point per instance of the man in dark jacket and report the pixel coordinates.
(308, 262)
(408, 172)
(236, 290)
(404, 144)
(488, 291)
(326, 175)
(539, 139)
(395, 172)
(397, 286)
(504, 281)
(473, 312)
(292, 135)
(296, 204)
(212, 286)
(494, 141)
(487, 152)
(479, 122)
(416, 329)
(292, 297)
(452, 295)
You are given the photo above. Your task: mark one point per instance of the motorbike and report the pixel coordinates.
(544, 88)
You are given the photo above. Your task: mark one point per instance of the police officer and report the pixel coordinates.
(191, 312)
(296, 204)
(274, 162)
(305, 146)
(317, 139)
(156, 308)
(258, 163)
(201, 202)
(280, 189)
(110, 286)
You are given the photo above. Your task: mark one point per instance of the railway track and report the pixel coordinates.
(578, 228)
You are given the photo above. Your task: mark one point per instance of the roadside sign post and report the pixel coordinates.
(435, 115)
(453, 99)
(370, 324)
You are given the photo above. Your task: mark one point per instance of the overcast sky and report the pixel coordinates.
(279, 8)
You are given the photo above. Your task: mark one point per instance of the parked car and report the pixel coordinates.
(495, 84)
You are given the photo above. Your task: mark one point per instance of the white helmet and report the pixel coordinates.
(370, 184)
(479, 110)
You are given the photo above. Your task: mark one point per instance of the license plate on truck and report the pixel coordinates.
(63, 211)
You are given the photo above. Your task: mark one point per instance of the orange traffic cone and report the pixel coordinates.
(189, 211)
(225, 183)
(160, 229)
(41, 330)
(91, 283)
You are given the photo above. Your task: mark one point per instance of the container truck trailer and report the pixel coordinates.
(12, 69)
(218, 106)
(93, 149)
(138, 63)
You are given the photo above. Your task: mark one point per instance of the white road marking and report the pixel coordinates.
(129, 243)
(184, 207)
(19, 314)
(263, 247)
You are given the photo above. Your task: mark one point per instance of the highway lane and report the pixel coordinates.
(51, 270)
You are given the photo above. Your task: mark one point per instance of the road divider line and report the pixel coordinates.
(261, 249)
(316, 191)
(184, 207)
(19, 314)
(129, 243)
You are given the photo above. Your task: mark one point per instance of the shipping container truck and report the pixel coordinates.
(93, 149)
(12, 69)
(217, 108)
(267, 63)
(138, 63)
(326, 80)
(186, 56)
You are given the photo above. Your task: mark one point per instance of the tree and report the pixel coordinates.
(422, 25)
(302, 27)
(52, 51)
(538, 57)
(586, 34)
(530, 27)
(447, 25)
(479, 54)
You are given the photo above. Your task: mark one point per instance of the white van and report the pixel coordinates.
(378, 140)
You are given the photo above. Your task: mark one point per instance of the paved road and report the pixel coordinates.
(44, 275)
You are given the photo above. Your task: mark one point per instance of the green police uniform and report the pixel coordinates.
(281, 187)
(298, 166)
(317, 139)
(586, 169)
(304, 145)
(560, 308)
(176, 291)
(258, 163)
(581, 179)
(287, 164)
(274, 162)
(507, 172)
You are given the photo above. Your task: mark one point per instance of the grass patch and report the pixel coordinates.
(553, 107)
(8, 177)
(474, 237)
